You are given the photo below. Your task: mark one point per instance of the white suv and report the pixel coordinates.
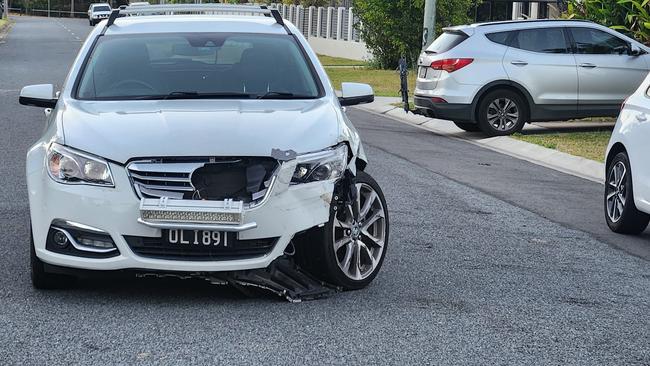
(495, 77)
(627, 186)
(201, 143)
(98, 12)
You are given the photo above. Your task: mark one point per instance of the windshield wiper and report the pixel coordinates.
(283, 95)
(197, 95)
(194, 95)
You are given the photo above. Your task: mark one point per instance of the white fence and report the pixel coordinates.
(330, 31)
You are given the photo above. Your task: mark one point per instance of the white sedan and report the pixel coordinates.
(627, 186)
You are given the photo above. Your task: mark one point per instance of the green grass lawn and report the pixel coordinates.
(384, 82)
(590, 145)
(338, 61)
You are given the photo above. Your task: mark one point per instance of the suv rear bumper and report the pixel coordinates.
(450, 111)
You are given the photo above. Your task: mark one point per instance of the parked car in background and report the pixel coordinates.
(201, 144)
(98, 12)
(495, 77)
(627, 185)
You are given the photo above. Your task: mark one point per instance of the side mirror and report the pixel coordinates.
(634, 50)
(41, 95)
(356, 93)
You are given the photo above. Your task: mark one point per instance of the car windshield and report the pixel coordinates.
(197, 65)
(102, 8)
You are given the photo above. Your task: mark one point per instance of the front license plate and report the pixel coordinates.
(196, 238)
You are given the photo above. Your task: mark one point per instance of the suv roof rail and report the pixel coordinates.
(530, 21)
(196, 8)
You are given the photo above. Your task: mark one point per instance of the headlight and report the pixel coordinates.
(322, 165)
(68, 166)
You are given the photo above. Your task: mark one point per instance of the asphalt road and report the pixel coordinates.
(492, 260)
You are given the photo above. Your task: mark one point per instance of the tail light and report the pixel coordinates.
(451, 64)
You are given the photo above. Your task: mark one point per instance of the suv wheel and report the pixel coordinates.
(621, 213)
(502, 112)
(41, 279)
(349, 252)
(469, 127)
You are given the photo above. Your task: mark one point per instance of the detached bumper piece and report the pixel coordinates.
(282, 278)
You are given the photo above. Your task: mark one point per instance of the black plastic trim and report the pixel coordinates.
(448, 111)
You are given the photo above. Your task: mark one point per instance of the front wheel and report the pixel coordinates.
(620, 211)
(349, 250)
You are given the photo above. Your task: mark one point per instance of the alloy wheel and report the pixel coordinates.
(616, 191)
(503, 114)
(359, 242)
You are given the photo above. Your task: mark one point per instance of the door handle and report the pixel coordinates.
(587, 66)
(519, 63)
(641, 117)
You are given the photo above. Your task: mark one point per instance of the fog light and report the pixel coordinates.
(95, 243)
(60, 239)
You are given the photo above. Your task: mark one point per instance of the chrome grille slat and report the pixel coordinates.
(156, 179)
(160, 178)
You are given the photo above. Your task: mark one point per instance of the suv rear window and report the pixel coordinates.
(499, 37)
(197, 65)
(446, 42)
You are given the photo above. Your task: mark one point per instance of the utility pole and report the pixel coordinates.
(429, 31)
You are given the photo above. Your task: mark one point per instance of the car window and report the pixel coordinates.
(446, 41)
(596, 42)
(101, 8)
(499, 37)
(543, 40)
(159, 66)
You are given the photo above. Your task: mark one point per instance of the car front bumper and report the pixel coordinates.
(288, 210)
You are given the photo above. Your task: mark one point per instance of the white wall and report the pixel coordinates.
(336, 48)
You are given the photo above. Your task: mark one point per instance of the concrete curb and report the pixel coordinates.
(549, 158)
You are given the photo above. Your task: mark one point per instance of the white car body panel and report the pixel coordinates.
(632, 132)
(120, 131)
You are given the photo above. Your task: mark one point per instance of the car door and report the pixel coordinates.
(540, 60)
(607, 74)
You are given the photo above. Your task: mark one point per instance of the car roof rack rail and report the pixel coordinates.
(198, 9)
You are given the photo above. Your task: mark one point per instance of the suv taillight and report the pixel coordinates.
(451, 64)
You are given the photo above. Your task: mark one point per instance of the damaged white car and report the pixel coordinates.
(202, 144)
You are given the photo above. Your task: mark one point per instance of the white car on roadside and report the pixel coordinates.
(98, 12)
(199, 144)
(627, 179)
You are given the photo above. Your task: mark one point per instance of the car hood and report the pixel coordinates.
(120, 131)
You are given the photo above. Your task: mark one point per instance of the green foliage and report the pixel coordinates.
(628, 16)
(392, 28)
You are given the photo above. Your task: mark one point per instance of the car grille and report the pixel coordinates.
(172, 178)
(237, 249)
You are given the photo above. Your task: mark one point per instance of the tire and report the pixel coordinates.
(469, 127)
(620, 211)
(41, 279)
(315, 249)
(502, 112)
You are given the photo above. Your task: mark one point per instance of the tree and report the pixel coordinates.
(392, 28)
(628, 16)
